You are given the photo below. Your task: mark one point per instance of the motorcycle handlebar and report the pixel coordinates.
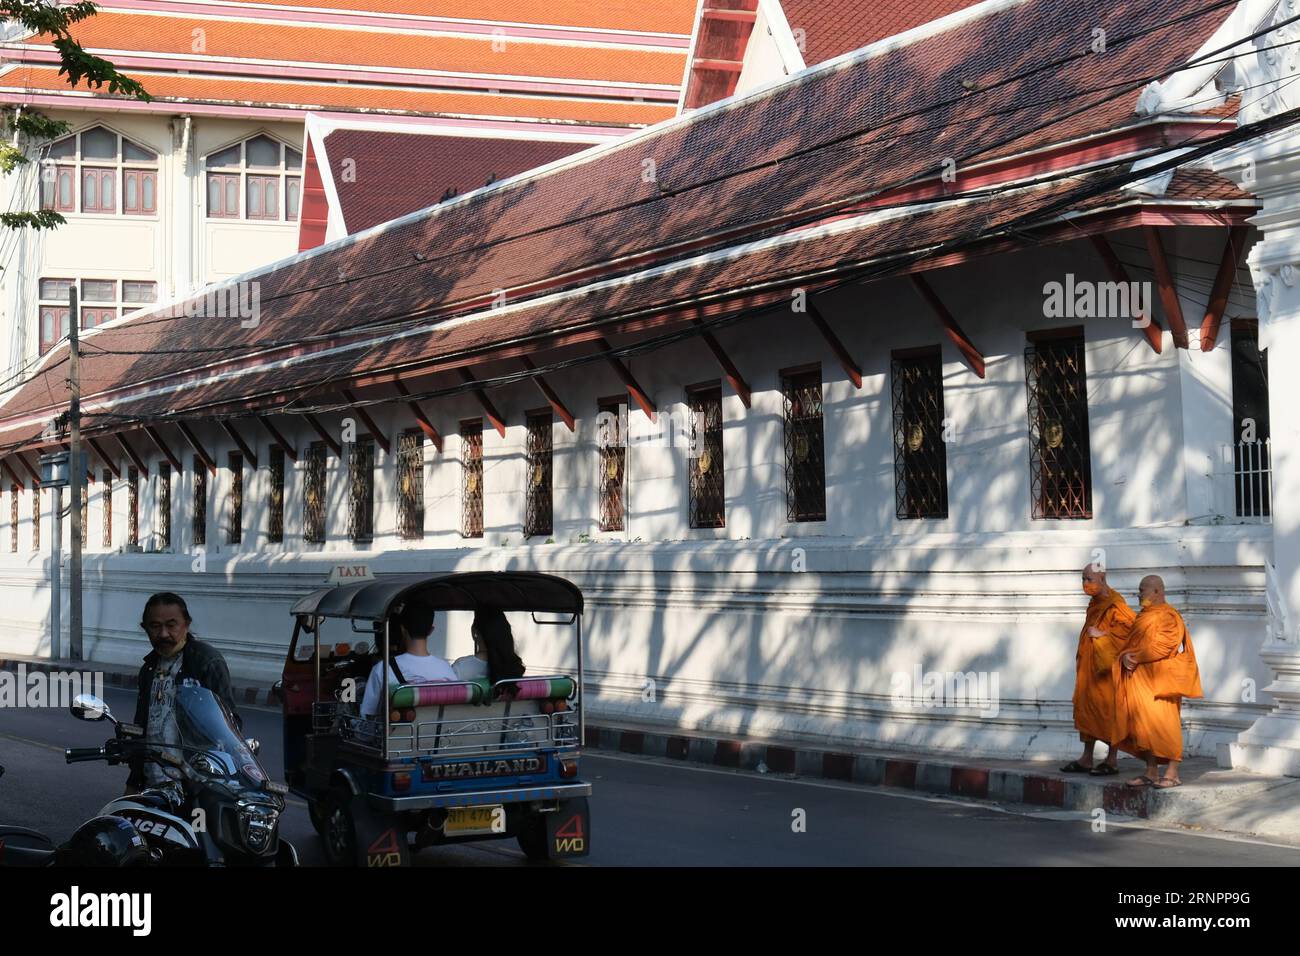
(78, 754)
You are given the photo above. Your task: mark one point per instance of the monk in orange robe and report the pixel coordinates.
(1105, 632)
(1156, 671)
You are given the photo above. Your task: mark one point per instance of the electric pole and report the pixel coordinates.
(76, 476)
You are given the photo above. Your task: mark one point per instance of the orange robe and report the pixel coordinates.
(1094, 679)
(1148, 700)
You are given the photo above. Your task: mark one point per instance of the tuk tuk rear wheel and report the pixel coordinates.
(532, 839)
(315, 810)
(338, 832)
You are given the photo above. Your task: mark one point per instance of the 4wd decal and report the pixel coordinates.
(384, 851)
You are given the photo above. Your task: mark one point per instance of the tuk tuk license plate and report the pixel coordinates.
(464, 821)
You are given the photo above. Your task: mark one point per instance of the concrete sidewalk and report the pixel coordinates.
(1210, 799)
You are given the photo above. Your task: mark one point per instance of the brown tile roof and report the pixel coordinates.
(725, 170)
(832, 27)
(382, 175)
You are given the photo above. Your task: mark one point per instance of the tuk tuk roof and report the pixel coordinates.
(506, 590)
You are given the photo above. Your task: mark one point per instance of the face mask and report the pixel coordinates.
(1091, 588)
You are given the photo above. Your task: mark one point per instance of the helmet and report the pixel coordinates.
(105, 841)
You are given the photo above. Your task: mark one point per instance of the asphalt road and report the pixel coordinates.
(663, 813)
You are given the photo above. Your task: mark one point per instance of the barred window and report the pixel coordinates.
(539, 501)
(805, 447)
(920, 453)
(707, 490)
(1060, 466)
(200, 503)
(275, 507)
(133, 505)
(471, 488)
(361, 490)
(85, 513)
(1252, 448)
(612, 438)
(410, 484)
(36, 519)
(313, 495)
(165, 504)
(235, 505)
(13, 517)
(108, 508)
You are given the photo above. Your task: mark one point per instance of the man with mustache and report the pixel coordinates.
(177, 654)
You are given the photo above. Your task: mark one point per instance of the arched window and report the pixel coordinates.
(101, 172)
(260, 178)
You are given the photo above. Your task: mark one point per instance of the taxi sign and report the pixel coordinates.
(349, 573)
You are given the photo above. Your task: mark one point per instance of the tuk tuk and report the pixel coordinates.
(449, 762)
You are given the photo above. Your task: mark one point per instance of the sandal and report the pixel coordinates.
(1075, 767)
(1141, 782)
(1164, 783)
(1104, 770)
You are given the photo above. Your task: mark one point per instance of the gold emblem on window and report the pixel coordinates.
(611, 468)
(539, 474)
(471, 483)
(1054, 433)
(705, 463)
(915, 436)
(801, 448)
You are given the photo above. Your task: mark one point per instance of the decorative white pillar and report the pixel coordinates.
(1269, 78)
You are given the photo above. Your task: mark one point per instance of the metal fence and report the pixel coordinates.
(1252, 479)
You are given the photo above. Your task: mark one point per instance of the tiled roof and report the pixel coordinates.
(832, 27)
(383, 175)
(250, 41)
(721, 176)
(359, 97)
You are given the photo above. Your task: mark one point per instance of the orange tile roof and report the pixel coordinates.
(356, 97)
(109, 30)
(659, 16)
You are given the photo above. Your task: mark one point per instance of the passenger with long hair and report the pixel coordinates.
(494, 650)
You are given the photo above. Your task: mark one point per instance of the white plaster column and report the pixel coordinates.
(1270, 168)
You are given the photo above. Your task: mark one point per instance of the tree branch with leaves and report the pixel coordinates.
(54, 23)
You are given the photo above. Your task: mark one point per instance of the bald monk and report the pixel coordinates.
(1105, 632)
(1157, 669)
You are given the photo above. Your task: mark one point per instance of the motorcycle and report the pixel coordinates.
(216, 807)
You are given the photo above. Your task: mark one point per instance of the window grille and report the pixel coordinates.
(1060, 466)
(200, 503)
(133, 505)
(235, 528)
(275, 506)
(361, 490)
(410, 484)
(707, 488)
(165, 504)
(108, 508)
(539, 501)
(805, 458)
(612, 438)
(313, 495)
(920, 453)
(471, 489)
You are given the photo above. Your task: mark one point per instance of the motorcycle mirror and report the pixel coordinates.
(89, 707)
(253, 744)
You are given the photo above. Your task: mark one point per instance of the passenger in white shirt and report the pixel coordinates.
(417, 665)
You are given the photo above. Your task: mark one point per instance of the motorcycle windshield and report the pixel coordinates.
(206, 726)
